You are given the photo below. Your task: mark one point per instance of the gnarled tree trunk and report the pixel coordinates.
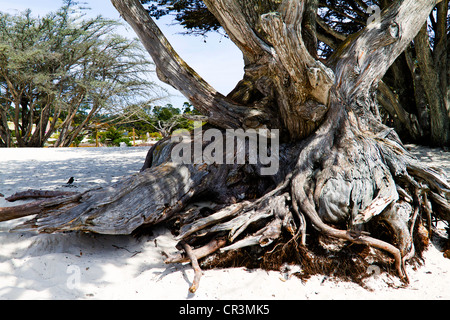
(342, 173)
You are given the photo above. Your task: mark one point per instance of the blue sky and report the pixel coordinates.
(218, 60)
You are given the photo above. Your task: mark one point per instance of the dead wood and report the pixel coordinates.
(36, 194)
(194, 262)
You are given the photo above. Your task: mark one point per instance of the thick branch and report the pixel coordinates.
(236, 16)
(36, 194)
(199, 253)
(364, 58)
(286, 35)
(198, 272)
(309, 27)
(11, 213)
(154, 196)
(303, 83)
(174, 70)
(37, 207)
(390, 102)
(441, 44)
(323, 24)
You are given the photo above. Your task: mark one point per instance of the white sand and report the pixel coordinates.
(86, 266)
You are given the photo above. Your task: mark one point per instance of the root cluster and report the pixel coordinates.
(345, 202)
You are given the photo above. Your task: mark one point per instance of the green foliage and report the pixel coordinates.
(113, 134)
(113, 137)
(193, 15)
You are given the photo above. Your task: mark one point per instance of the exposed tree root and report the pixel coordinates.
(199, 253)
(198, 272)
(401, 192)
(365, 194)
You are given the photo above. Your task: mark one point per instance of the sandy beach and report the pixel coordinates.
(89, 266)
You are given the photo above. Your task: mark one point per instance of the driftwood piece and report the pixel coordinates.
(194, 262)
(11, 213)
(36, 194)
(38, 207)
(199, 253)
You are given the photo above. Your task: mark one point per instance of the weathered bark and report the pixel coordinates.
(428, 68)
(341, 170)
(36, 194)
(402, 119)
(440, 125)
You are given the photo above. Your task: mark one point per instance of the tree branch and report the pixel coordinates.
(194, 262)
(440, 48)
(309, 27)
(234, 16)
(284, 30)
(339, 36)
(303, 83)
(36, 194)
(344, 14)
(363, 59)
(390, 102)
(173, 70)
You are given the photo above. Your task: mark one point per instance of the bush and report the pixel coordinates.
(117, 142)
(155, 135)
(113, 137)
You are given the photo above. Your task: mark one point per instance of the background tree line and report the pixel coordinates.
(414, 96)
(63, 71)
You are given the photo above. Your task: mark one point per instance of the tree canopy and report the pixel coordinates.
(60, 70)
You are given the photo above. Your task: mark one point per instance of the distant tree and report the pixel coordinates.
(59, 71)
(162, 119)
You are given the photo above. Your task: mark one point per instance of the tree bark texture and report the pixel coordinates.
(343, 174)
(405, 100)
